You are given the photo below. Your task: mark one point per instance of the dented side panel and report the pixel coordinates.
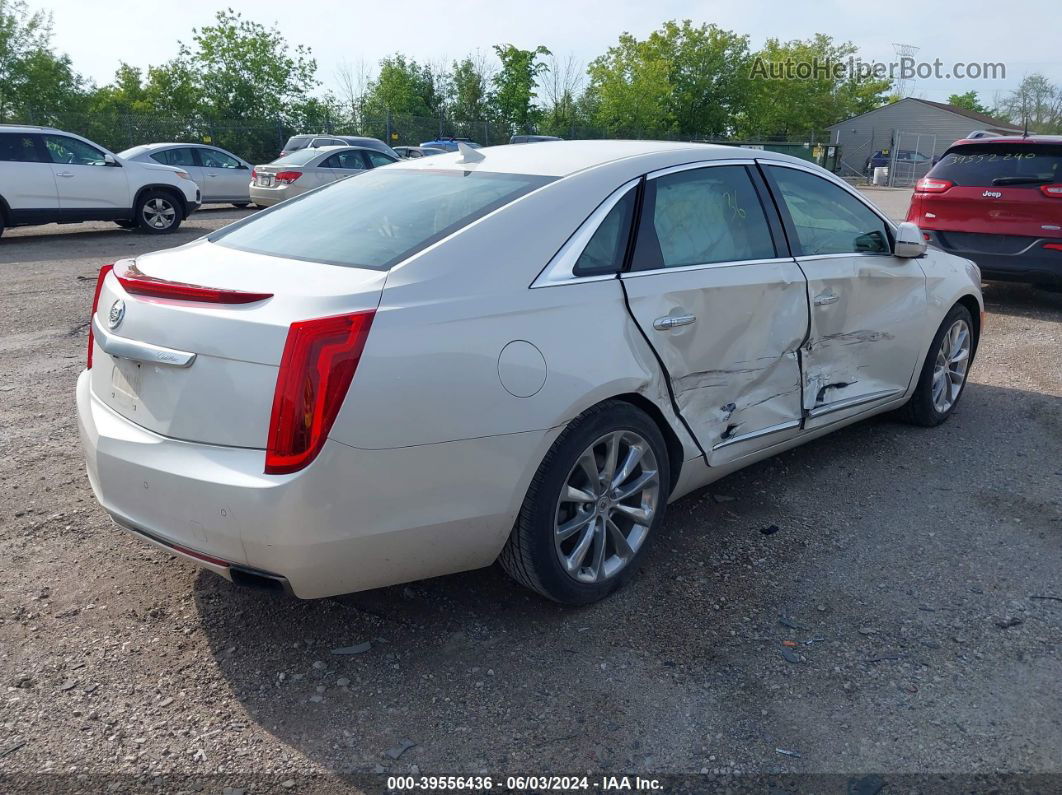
(735, 369)
(868, 323)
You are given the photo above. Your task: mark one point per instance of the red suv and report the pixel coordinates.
(998, 202)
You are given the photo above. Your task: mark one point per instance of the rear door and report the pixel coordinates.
(83, 178)
(226, 177)
(712, 288)
(344, 164)
(868, 307)
(26, 179)
(183, 157)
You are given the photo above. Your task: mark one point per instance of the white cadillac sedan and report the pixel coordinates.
(517, 353)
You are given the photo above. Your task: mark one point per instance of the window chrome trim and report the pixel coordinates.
(822, 174)
(561, 268)
(748, 437)
(850, 254)
(855, 400)
(663, 172)
(706, 266)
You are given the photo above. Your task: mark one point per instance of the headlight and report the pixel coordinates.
(184, 175)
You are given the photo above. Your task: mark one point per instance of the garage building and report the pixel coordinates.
(909, 125)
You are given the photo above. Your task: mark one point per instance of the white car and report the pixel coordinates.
(305, 169)
(222, 177)
(49, 176)
(519, 353)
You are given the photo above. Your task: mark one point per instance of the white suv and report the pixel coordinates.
(50, 176)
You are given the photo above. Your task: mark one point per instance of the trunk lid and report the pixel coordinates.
(225, 395)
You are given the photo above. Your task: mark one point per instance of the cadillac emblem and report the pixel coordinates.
(114, 317)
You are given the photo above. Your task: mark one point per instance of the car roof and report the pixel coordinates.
(26, 128)
(1012, 139)
(562, 158)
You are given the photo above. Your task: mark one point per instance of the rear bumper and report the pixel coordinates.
(1029, 262)
(354, 519)
(267, 197)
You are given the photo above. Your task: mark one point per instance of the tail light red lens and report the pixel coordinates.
(137, 283)
(1053, 246)
(929, 185)
(320, 357)
(287, 177)
(1051, 191)
(254, 171)
(95, 305)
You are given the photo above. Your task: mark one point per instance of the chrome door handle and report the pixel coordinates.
(668, 322)
(822, 299)
(64, 173)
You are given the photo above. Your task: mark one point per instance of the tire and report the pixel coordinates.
(241, 205)
(126, 224)
(157, 207)
(1, 225)
(533, 554)
(928, 406)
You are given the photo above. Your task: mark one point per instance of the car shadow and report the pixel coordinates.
(482, 675)
(1022, 300)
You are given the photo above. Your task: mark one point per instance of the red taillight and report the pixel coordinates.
(137, 283)
(287, 177)
(930, 185)
(254, 173)
(95, 305)
(1053, 246)
(320, 357)
(1051, 191)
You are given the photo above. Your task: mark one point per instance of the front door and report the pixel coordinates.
(723, 307)
(868, 307)
(84, 179)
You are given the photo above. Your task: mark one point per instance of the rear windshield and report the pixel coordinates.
(376, 219)
(297, 140)
(299, 158)
(1001, 164)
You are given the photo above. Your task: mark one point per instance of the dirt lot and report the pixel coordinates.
(917, 573)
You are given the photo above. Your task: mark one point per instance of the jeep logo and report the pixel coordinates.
(992, 194)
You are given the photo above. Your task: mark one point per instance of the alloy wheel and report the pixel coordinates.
(159, 213)
(606, 506)
(952, 363)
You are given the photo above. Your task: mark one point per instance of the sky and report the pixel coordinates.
(1021, 34)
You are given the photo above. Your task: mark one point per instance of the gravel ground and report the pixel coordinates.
(904, 617)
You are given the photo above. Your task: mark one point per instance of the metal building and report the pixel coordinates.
(910, 132)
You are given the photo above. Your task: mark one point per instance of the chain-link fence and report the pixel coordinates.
(260, 140)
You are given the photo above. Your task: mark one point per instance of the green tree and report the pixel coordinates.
(244, 70)
(1036, 102)
(35, 82)
(630, 91)
(470, 89)
(683, 80)
(967, 101)
(515, 85)
(402, 86)
(800, 87)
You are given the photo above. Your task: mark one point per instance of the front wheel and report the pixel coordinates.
(596, 498)
(158, 212)
(943, 377)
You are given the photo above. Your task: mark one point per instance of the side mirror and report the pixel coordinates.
(110, 160)
(909, 241)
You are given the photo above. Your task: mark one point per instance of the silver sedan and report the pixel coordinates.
(306, 169)
(517, 353)
(222, 177)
